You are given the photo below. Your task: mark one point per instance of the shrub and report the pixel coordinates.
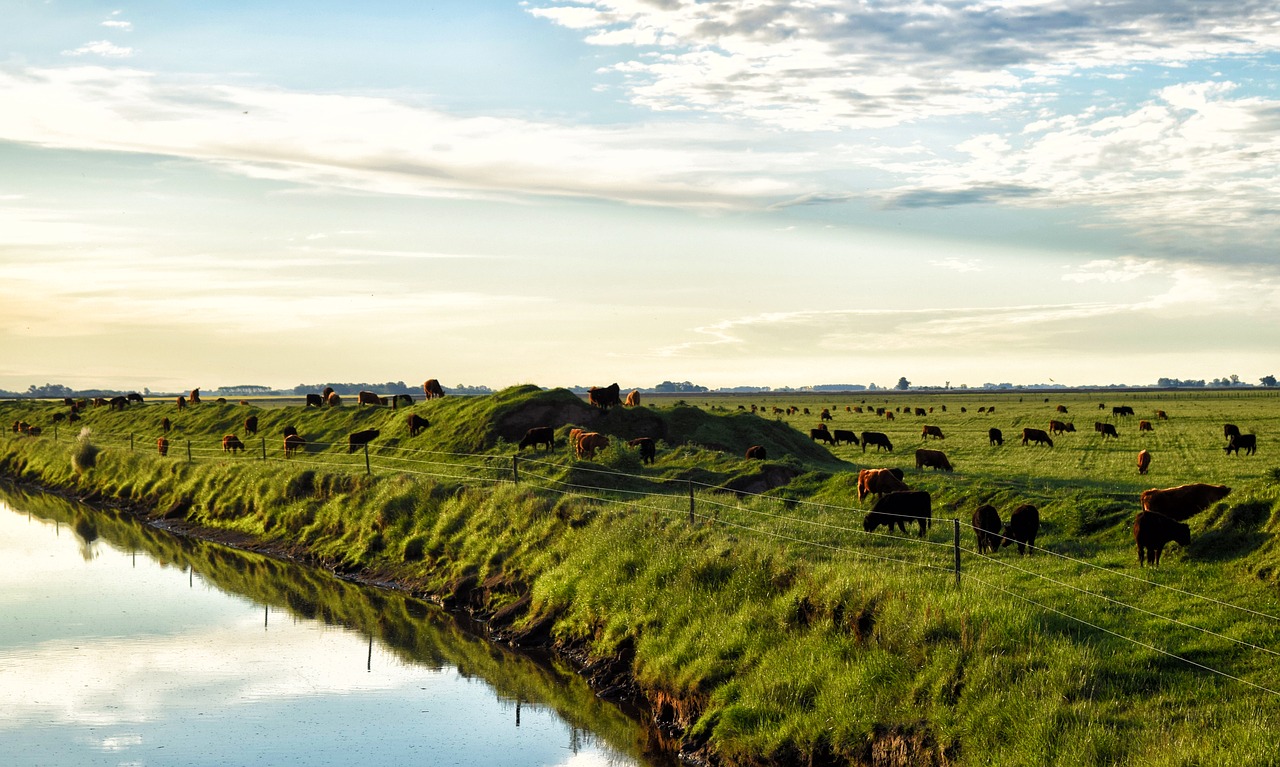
(85, 454)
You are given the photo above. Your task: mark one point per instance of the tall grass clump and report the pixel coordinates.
(84, 455)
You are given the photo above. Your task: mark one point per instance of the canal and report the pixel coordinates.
(121, 644)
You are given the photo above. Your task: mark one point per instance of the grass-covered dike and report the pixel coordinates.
(771, 629)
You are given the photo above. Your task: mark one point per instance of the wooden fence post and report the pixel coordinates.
(955, 526)
(367, 468)
(188, 451)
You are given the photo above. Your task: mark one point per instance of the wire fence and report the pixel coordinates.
(765, 516)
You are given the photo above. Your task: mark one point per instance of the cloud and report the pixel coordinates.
(104, 48)
(945, 198)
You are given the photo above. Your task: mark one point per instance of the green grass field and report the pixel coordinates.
(773, 629)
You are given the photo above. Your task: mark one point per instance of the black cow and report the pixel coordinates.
(1037, 436)
(986, 528)
(416, 424)
(995, 436)
(1152, 531)
(757, 453)
(879, 439)
(359, 439)
(315, 400)
(1121, 410)
(1230, 430)
(1107, 430)
(821, 435)
(844, 435)
(1247, 441)
(648, 448)
(251, 424)
(1023, 526)
(538, 435)
(898, 509)
(605, 397)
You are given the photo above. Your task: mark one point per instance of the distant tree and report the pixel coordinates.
(1268, 380)
(903, 384)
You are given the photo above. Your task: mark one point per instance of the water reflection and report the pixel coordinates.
(123, 644)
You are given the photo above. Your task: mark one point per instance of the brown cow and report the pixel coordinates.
(573, 438)
(1144, 461)
(1058, 427)
(934, 459)
(332, 399)
(1062, 408)
(1144, 426)
(416, 424)
(757, 453)
(165, 424)
(1153, 531)
(324, 394)
(162, 446)
(232, 444)
(633, 398)
(1184, 501)
(648, 448)
(879, 482)
(590, 442)
(292, 444)
(182, 402)
(360, 439)
(1161, 415)
(986, 528)
(931, 431)
(251, 424)
(368, 398)
(194, 399)
(604, 397)
(244, 402)
(1037, 436)
(432, 389)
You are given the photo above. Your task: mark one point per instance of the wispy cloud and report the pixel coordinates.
(104, 48)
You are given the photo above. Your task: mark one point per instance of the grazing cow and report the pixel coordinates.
(1023, 526)
(995, 436)
(166, 425)
(368, 398)
(315, 400)
(1230, 430)
(982, 410)
(888, 416)
(1161, 415)
(232, 444)
(931, 431)
(898, 509)
(99, 401)
(432, 389)
(757, 453)
(34, 431)
(59, 417)
(182, 402)
(1121, 410)
(333, 400)
(324, 395)
(194, 399)
(1062, 408)
(1037, 436)
(879, 439)
(162, 446)
(360, 439)
(633, 398)
(1247, 441)
(590, 442)
(292, 444)
(1108, 430)
(221, 400)
(73, 417)
(251, 424)
(934, 459)
(118, 403)
(416, 424)
(1058, 427)
(920, 411)
(826, 415)
(845, 436)
(986, 528)
(133, 396)
(1184, 501)
(401, 399)
(648, 448)
(1144, 426)
(244, 402)
(538, 435)
(879, 482)
(288, 430)
(1144, 461)
(604, 398)
(1153, 531)
(821, 435)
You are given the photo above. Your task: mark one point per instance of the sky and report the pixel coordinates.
(566, 193)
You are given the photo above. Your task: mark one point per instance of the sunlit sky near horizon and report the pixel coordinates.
(729, 193)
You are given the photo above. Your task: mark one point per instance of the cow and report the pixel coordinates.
(251, 424)
(879, 482)
(995, 437)
(431, 389)
(821, 435)
(934, 459)
(573, 438)
(920, 411)
(182, 402)
(1230, 430)
(416, 424)
(879, 439)
(1107, 430)
(73, 417)
(133, 396)
(1121, 410)
(401, 399)
(1152, 531)
(633, 398)
(986, 528)
(604, 398)
(757, 453)
(333, 400)
(231, 444)
(292, 444)
(315, 400)
(166, 425)
(538, 435)
(982, 409)
(1247, 441)
(1161, 415)
(221, 400)
(1037, 436)
(289, 431)
(648, 448)
(162, 446)
(1184, 501)
(845, 436)
(118, 403)
(888, 416)
(1062, 408)
(1144, 461)
(368, 398)
(898, 509)
(99, 401)
(1144, 426)
(324, 395)
(931, 431)
(1058, 427)
(360, 439)
(1023, 525)
(590, 442)
(825, 415)
(194, 399)
(59, 417)
(244, 402)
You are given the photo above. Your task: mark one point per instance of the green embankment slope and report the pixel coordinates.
(773, 629)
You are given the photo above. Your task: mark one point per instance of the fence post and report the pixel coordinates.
(515, 469)
(690, 500)
(188, 451)
(367, 468)
(264, 448)
(955, 526)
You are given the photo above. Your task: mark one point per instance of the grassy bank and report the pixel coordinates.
(772, 629)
